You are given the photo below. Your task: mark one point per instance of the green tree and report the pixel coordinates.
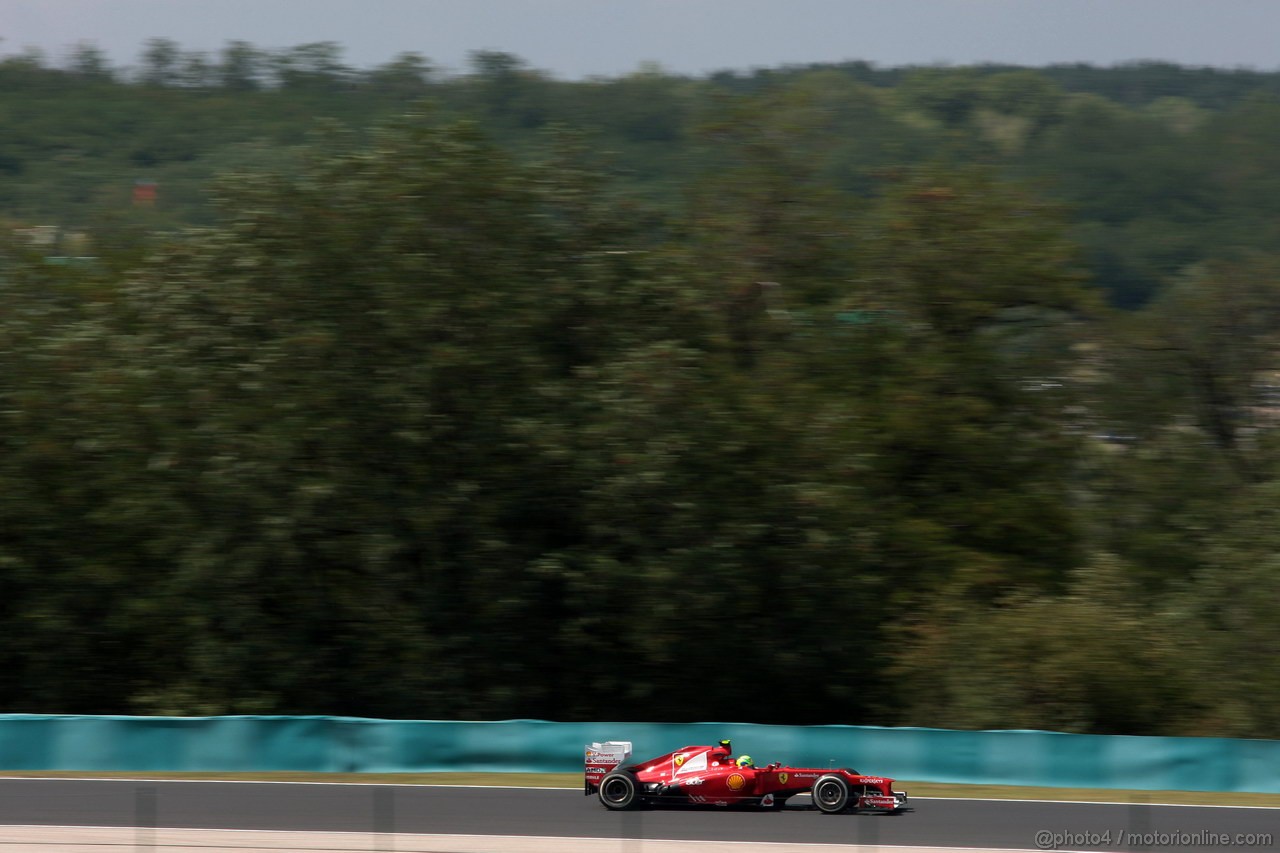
(974, 294)
(1231, 601)
(161, 62)
(345, 376)
(1213, 335)
(946, 95)
(508, 91)
(241, 68)
(763, 226)
(1098, 658)
(315, 67)
(88, 62)
(407, 77)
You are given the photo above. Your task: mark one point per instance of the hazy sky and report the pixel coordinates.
(576, 38)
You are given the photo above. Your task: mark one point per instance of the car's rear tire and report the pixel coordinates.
(831, 794)
(619, 791)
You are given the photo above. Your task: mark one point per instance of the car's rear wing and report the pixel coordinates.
(601, 758)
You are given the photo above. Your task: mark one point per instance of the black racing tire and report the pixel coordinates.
(831, 794)
(619, 791)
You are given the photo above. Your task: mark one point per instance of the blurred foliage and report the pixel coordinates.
(820, 394)
(1159, 166)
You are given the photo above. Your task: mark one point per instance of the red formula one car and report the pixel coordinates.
(709, 775)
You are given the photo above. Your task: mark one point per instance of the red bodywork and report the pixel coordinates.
(709, 775)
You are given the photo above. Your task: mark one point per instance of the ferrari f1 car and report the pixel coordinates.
(710, 775)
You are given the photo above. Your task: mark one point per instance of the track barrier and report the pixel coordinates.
(352, 744)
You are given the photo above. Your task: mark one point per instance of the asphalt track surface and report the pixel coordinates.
(554, 812)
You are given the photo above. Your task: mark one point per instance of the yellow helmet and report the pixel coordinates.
(744, 761)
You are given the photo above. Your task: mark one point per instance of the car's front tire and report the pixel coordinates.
(619, 791)
(831, 794)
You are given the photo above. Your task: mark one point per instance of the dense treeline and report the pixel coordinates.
(1159, 166)
(793, 396)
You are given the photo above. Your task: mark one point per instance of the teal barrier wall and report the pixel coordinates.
(38, 742)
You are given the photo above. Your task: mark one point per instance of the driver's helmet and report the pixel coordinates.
(745, 761)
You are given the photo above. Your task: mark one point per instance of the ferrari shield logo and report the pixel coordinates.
(686, 764)
(783, 777)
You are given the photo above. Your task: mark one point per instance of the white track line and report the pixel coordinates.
(21, 838)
